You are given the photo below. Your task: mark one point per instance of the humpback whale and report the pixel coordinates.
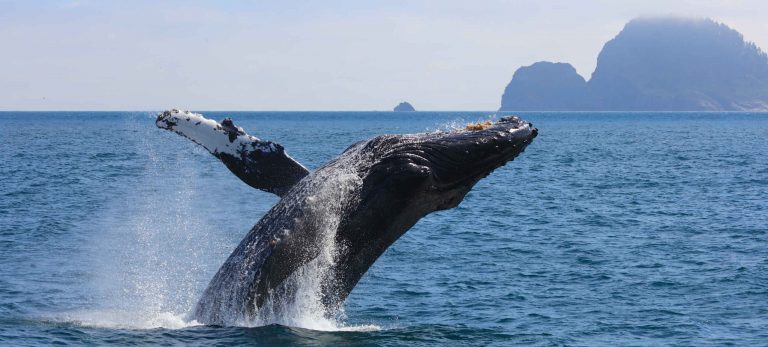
(331, 225)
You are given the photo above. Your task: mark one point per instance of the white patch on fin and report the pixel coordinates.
(210, 134)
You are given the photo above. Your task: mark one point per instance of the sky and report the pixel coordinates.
(309, 55)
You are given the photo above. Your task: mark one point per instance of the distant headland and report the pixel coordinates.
(404, 107)
(653, 64)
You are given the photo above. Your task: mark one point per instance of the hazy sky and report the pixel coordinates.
(308, 55)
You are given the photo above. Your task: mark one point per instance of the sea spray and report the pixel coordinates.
(149, 246)
(299, 301)
(249, 290)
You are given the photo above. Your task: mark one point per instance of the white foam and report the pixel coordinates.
(117, 319)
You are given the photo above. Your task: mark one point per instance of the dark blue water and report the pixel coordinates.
(611, 229)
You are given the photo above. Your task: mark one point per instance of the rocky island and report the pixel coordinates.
(404, 107)
(653, 64)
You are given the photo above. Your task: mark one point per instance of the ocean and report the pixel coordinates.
(614, 228)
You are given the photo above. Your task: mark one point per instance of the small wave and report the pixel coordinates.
(325, 325)
(361, 328)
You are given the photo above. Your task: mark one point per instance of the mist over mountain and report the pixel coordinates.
(653, 64)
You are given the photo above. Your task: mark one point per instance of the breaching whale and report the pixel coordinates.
(330, 226)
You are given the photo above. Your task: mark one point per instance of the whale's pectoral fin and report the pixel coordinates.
(261, 164)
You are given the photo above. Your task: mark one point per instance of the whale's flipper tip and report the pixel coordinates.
(169, 119)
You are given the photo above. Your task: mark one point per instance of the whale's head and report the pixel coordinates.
(410, 176)
(436, 170)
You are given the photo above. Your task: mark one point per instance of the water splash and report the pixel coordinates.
(153, 253)
(148, 249)
(298, 301)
